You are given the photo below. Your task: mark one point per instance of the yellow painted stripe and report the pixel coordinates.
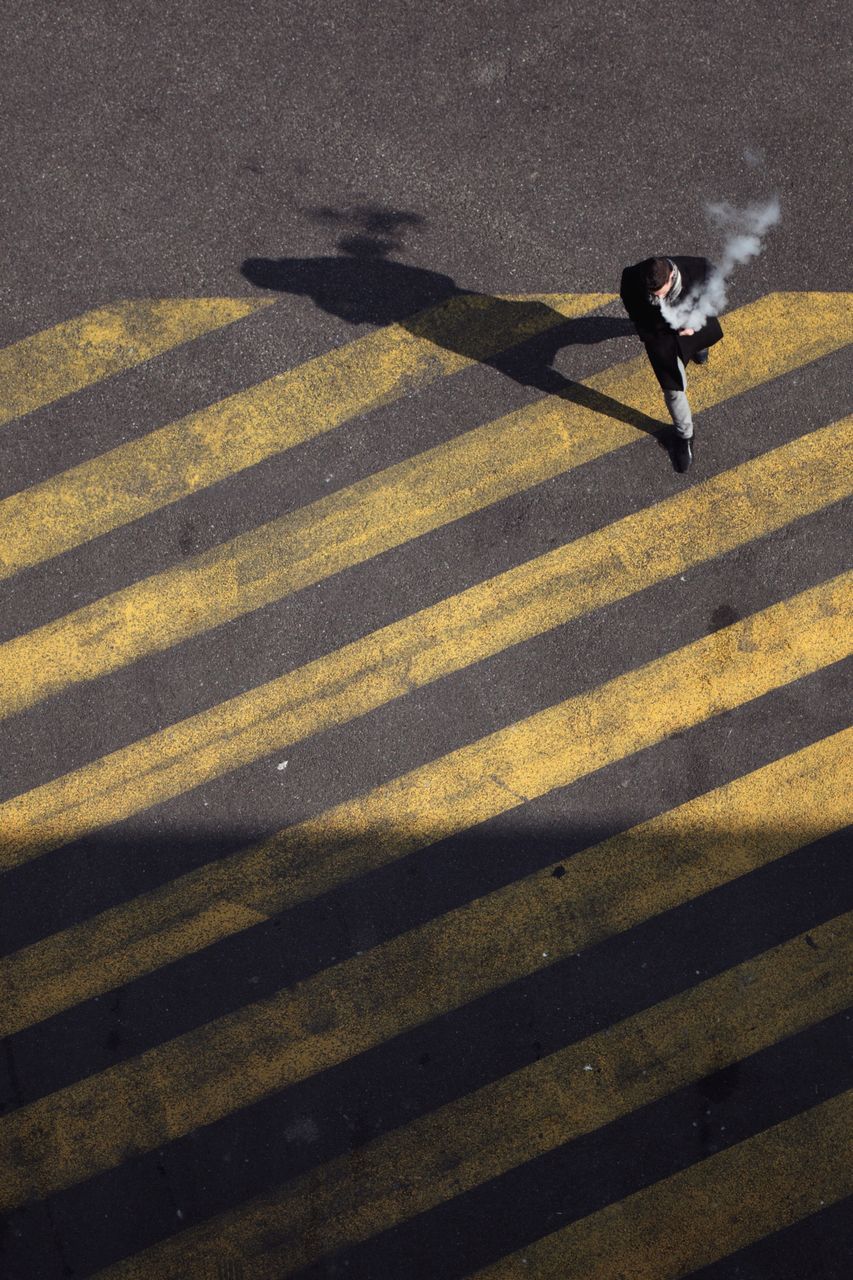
(383, 511)
(429, 804)
(208, 446)
(237, 1060)
(470, 626)
(706, 1212)
(556, 1100)
(70, 356)
(213, 443)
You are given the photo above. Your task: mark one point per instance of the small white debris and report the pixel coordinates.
(180, 1214)
(282, 766)
(544, 955)
(588, 1067)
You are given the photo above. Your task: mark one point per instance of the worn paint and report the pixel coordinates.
(707, 1211)
(77, 353)
(384, 511)
(446, 637)
(433, 802)
(236, 1060)
(521, 1116)
(215, 442)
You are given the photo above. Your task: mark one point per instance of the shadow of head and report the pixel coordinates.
(369, 230)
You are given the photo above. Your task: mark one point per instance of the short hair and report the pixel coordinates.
(656, 272)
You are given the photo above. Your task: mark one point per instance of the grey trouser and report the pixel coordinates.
(679, 407)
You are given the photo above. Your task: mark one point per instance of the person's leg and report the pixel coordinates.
(679, 411)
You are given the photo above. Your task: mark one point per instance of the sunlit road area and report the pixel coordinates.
(424, 809)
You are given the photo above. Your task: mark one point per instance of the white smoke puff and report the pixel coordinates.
(754, 157)
(745, 230)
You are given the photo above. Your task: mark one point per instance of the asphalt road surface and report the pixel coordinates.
(424, 813)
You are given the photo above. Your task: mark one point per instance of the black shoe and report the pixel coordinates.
(701, 357)
(683, 453)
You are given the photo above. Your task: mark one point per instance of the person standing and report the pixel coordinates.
(652, 291)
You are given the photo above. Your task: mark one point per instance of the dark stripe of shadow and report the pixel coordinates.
(819, 1247)
(339, 1110)
(598, 1169)
(365, 912)
(91, 873)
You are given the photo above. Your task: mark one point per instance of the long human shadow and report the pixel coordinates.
(363, 286)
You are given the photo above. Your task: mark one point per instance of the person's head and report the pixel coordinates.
(659, 273)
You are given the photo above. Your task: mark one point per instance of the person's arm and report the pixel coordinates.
(644, 334)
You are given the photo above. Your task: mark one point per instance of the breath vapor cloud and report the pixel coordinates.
(744, 230)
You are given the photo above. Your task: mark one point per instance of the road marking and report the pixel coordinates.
(76, 353)
(418, 650)
(239, 1059)
(505, 1124)
(440, 799)
(383, 511)
(707, 1211)
(206, 447)
(243, 429)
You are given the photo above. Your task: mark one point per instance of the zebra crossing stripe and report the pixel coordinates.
(707, 1211)
(594, 418)
(72, 355)
(730, 509)
(324, 538)
(431, 803)
(237, 1060)
(561, 1097)
(213, 443)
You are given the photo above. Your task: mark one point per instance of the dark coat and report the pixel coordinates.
(663, 345)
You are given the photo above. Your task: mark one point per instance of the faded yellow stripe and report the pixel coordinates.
(429, 804)
(70, 356)
(534, 1110)
(204, 447)
(446, 637)
(708, 1211)
(237, 1060)
(386, 510)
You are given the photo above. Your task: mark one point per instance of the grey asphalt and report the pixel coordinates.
(150, 150)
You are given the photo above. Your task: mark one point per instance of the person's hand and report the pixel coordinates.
(686, 333)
